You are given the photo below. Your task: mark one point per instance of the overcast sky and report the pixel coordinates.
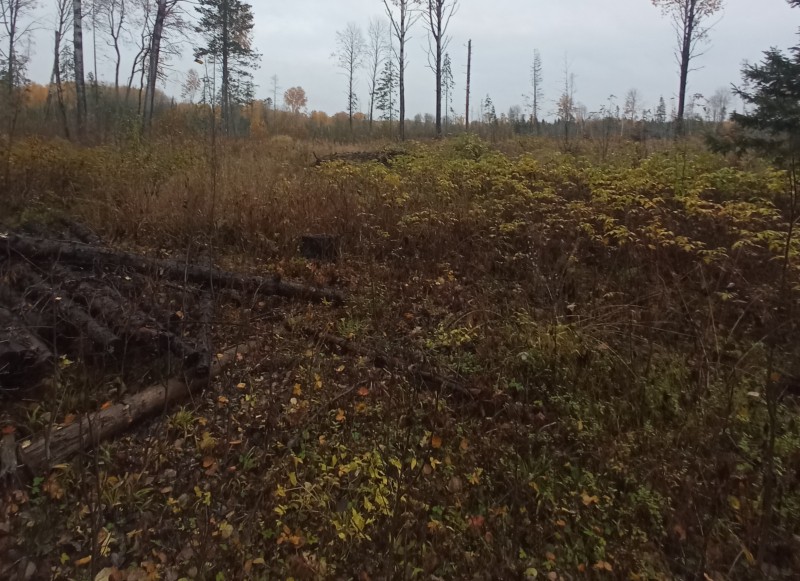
(611, 46)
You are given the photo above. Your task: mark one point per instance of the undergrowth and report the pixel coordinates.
(612, 320)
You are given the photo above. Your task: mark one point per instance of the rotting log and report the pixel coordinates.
(43, 451)
(139, 327)
(381, 360)
(70, 312)
(79, 253)
(24, 358)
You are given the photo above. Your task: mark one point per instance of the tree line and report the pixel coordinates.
(220, 33)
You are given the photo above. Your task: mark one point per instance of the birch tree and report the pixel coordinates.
(350, 51)
(77, 54)
(375, 54)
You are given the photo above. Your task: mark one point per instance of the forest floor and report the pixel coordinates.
(617, 331)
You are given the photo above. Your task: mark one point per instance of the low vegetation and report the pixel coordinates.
(621, 323)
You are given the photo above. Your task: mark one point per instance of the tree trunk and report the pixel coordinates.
(62, 108)
(226, 89)
(689, 21)
(89, 431)
(402, 79)
(80, 86)
(155, 53)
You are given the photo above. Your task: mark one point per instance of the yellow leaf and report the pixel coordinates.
(241, 385)
(340, 369)
(225, 529)
(340, 416)
(259, 561)
(293, 478)
(317, 381)
(436, 442)
(589, 500)
(734, 502)
(84, 561)
(222, 400)
(297, 390)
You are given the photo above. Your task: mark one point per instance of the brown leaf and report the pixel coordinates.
(436, 442)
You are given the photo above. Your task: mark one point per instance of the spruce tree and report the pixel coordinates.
(226, 26)
(386, 91)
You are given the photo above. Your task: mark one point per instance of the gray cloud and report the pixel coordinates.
(610, 45)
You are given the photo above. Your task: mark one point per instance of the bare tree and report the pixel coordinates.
(376, 55)
(154, 55)
(566, 102)
(114, 13)
(62, 25)
(718, 105)
(15, 17)
(630, 110)
(350, 51)
(191, 85)
(77, 53)
(403, 15)
(690, 20)
(437, 18)
(537, 86)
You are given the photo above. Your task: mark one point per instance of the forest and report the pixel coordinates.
(244, 340)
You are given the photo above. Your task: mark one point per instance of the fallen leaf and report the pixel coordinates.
(340, 369)
(222, 400)
(69, 419)
(602, 566)
(340, 416)
(550, 556)
(84, 561)
(436, 442)
(297, 390)
(464, 445)
(106, 405)
(589, 500)
(208, 462)
(241, 386)
(363, 391)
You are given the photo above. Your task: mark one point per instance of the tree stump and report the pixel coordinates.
(323, 247)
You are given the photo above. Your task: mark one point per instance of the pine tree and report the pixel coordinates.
(227, 28)
(386, 92)
(661, 111)
(448, 86)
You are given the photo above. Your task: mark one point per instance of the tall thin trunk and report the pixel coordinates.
(402, 75)
(689, 20)
(62, 109)
(226, 89)
(469, 80)
(80, 86)
(152, 72)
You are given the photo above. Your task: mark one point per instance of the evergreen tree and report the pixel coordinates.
(386, 92)
(661, 111)
(227, 29)
(448, 86)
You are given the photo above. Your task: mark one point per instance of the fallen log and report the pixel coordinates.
(384, 157)
(46, 450)
(24, 358)
(139, 327)
(381, 360)
(70, 312)
(79, 253)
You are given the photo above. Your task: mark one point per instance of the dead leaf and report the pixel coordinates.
(340, 415)
(589, 500)
(84, 561)
(106, 405)
(464, 445)
(603, 566)
(436, 442)
(363, 391)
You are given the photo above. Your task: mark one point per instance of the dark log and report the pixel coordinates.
(70, 312)
(24, 359)
(319, 247)
(78, 253)
(427, 375)
(136, 325)
(42, 452)
(384, 157)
